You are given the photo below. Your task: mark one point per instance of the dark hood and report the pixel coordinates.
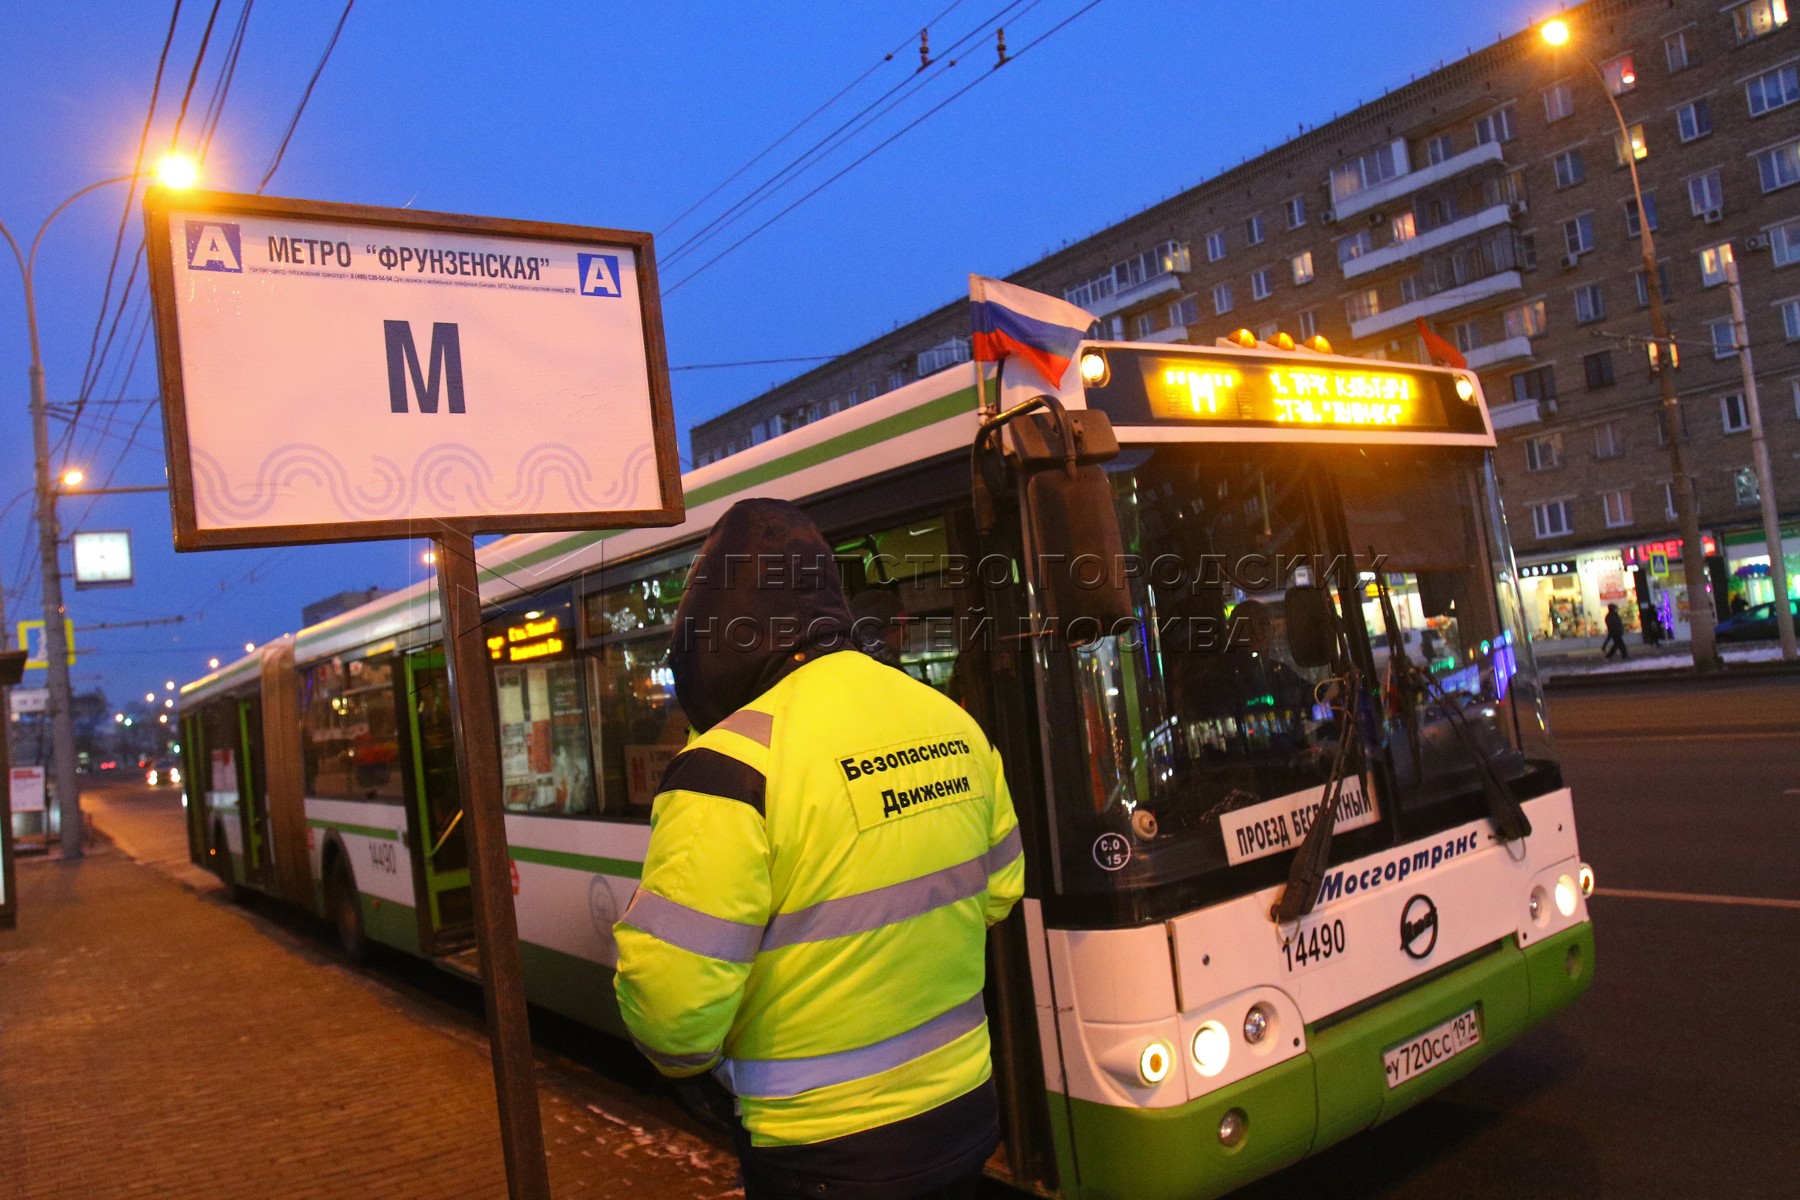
(762, 598)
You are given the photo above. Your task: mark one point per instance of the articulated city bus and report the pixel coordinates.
(1299, 850)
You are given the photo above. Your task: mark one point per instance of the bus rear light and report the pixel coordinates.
(1212, 1048)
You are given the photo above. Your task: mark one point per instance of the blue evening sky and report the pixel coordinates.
(622, 116)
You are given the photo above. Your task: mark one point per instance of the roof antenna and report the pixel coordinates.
(1000, 33)
(924, 50)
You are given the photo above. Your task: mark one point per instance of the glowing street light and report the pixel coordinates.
(169, 684)
(177, 171)
(249, 647)
(1556, 32)
(73, 477)
(212, 664)
(149, 697)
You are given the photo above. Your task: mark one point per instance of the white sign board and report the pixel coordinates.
(339, 372)
(27, 789)
(1281, 824)
(26, 701)
(102, 558)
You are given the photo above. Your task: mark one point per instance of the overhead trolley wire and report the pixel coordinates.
(802, 123)
(913, 124)
(294, 124)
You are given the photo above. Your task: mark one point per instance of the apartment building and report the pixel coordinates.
(1491, 199)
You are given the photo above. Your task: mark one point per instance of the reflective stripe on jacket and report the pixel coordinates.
(810, 925)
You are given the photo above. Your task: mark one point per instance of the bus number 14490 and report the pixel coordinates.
(1310, 947)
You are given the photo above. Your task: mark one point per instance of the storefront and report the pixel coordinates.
(1566, 596)
(1747, 564)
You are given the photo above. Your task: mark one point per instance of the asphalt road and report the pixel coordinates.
(1675, 1077)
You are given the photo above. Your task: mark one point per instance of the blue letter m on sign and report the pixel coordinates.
(403, 362)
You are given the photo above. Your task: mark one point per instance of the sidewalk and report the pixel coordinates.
(155, 1041)
(1556, 664)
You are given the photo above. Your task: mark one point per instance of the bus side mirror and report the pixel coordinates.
(1311, 626)
(1081, 553)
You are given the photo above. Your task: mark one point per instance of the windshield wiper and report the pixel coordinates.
(1307, 873)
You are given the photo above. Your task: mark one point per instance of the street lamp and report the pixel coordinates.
(1681, 485)
(175, 171)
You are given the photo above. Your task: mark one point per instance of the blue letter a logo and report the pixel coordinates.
(599, 274)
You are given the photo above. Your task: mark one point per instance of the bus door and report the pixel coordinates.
(258, 860)
(194, 782)
(435, 816)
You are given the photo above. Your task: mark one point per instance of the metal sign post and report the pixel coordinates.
(335, 372)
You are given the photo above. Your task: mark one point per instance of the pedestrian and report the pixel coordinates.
(1615, 634)
(825, 858)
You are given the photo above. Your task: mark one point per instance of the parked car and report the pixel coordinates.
(164, 772)
(1754, 624)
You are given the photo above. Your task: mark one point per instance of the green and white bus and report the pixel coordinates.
(1299, 851)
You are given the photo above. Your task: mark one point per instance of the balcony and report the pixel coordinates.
(1516, 414)
(1137, 293)
(1513, 348)
(1424, 243)
(1412, 181)
(1473, 292)
(1174, 333)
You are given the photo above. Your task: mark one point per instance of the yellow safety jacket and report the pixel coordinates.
(810, 926)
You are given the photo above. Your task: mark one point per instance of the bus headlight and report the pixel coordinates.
(1094, 369)
(1256, 1024)
(1232, 1128)
(1565, 896)
(1586, 876)
(1465, 391)
(1154, 1063)
(1212, 1048)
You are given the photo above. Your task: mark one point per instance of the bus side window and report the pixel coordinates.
(352, 733)
(638, 727)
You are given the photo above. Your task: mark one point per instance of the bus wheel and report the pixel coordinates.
(346, 917)
(220, 853)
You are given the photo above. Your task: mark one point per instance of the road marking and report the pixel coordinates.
(1700, 898)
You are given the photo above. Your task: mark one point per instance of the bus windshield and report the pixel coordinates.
(1205, 739)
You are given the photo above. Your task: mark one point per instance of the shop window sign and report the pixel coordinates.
(1563, 566)
(1645, 553)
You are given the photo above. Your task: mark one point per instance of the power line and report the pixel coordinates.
(928, 114)
(801, 124)
(305, 96)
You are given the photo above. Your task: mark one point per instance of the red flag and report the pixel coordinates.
(1442, 352)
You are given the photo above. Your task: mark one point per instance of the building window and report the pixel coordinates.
(1668, 498)
(1552, 519)
(1662, 426)
(1365, 171)
(1745, 484)
(1569, 169)
(1296, 212)
(1590, 304)
(1543, 453)
(1643, 284)
(1790, 319)
(1559, 102)
(1773, 89)
(1302, 265)
(1525, 320)
(947, 353)
(1598, 367)
(1497, 126)
(1578, 235)
(1215, 245)
(1412, 288)
(1640, 149)
(1734, 414)
(1724, 338)
(1438, 149)
(1712, 263)
(1222, 301)
(1363, 304)
(1706, 194)
(896, 379)
(1758, 17)
(1184, 312)
(1403, 227)
(1143, 325)
(1307, 321)
(1620, 75)
(1618, 508)
(1797, 398)
(1694, 120)
(1677, 51)
(1354, 246)
(1784, 243)
(1537, 384)
(1466, 335)
(1606, 441)
(1261, 285)
(1253, 230)
(1631, 214)
(1779, 167)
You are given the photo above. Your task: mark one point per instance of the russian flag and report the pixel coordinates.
(1040, 331)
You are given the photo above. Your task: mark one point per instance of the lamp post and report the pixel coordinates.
(176, 172)
(1701, 618)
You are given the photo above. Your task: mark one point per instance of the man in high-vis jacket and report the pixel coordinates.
(825, 858)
